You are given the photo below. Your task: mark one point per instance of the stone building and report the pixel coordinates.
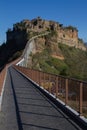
(66, 35)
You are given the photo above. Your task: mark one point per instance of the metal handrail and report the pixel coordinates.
(71, 92)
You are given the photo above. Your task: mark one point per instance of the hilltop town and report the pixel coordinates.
(25, 29)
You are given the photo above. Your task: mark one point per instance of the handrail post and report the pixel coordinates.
(66, 94)
(56, 86)
(80, 98)
(35, 76)
(39, 77)
(43, 76)
(31, 74)
(40, 73)
(49, 83)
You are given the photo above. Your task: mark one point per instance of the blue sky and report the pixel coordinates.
(67, 12)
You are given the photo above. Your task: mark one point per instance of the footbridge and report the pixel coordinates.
(35, 100)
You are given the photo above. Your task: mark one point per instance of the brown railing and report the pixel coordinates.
(72, 92)
(2, 76)
(3, 73)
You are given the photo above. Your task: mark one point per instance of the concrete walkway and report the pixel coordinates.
(26, 108)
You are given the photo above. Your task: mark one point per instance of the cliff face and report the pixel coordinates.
(27, 28)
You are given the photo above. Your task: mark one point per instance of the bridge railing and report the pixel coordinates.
(2, 76)
(72, 92)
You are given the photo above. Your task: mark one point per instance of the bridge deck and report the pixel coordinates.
(26, 108)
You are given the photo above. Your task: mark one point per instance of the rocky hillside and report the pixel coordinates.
(60, 52)
(67, 61)
(25, 29)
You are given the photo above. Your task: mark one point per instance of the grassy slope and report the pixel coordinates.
(45, 62)
(76, 61)
(74, 65)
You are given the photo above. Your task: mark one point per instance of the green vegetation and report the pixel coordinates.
(45, 62)
(74, 64)
(71, 28)
(58, 64)
(76, 61)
